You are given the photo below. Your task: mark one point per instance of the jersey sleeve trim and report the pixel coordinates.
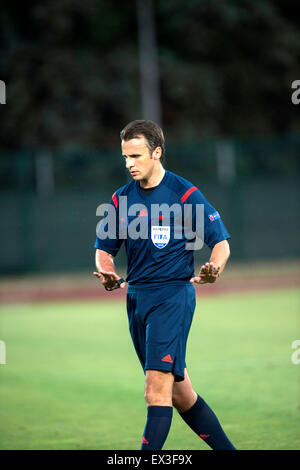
(115, 200)
(188, 193)
(110, 251)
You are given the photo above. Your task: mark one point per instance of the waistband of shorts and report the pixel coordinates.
(157, 285)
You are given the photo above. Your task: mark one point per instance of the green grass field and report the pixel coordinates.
(72, 379)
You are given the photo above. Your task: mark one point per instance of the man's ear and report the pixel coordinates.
(157, 153)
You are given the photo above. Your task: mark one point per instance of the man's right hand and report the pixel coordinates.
(108, 279)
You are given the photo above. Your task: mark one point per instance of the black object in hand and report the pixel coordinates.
(116, 286)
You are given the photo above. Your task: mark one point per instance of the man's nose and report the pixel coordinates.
(129, 163)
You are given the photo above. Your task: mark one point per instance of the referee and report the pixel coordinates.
(160, 275)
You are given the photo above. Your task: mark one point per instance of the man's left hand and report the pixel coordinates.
(209, 273)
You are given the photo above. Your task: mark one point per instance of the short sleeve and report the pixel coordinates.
(108, 229)
(214, 228)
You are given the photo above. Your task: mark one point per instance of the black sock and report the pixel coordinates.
(204, 422)
(157, 427)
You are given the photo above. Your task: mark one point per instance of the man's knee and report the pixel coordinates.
(183, 395)
(183, 402)
(177, 400)
(157, 398)
(158, 388)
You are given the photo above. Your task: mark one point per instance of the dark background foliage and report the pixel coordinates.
(72, 74)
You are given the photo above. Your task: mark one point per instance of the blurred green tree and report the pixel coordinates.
(72, 69)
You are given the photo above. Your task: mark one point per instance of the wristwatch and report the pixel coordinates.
(116, 286)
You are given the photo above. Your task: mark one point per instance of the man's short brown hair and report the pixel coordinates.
(151, 131)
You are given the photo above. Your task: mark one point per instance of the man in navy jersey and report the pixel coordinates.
(159, 216)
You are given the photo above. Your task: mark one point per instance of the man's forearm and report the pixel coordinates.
(220, 254)
(104, 261)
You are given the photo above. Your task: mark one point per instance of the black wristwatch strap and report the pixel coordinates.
(116, 286)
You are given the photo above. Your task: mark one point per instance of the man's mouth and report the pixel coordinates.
(133, 173)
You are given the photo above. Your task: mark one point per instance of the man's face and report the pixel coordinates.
(138, 158)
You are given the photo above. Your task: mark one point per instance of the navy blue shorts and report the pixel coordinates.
(160, 318)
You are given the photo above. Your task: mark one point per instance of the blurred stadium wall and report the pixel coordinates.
(49, 199)
(217, 75)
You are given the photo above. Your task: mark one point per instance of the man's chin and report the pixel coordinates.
(136, 176)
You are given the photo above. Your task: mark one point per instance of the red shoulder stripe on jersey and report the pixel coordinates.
(115, 200)
(188, 193)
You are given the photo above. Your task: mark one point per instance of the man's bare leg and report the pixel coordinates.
(158, 396)
(184, 397)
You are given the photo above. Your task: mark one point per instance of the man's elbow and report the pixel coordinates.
(103, 254)
(224, 248)
(228, 248)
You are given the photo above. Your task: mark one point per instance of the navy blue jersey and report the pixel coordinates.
(160, 253)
